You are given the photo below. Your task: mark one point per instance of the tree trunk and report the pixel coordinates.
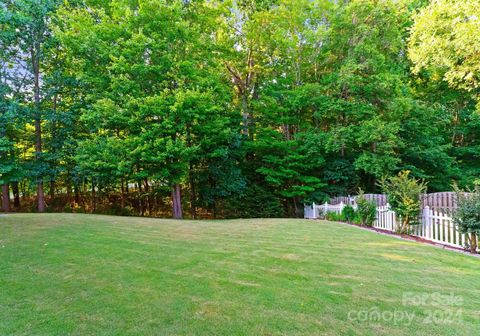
(54, 136)
(5, 198)
(214, 208)
(84, 191)
(295, 207)
(405, 225)
(16, 195)
(77, 194)
(473, 242)
(176, 202)
(191, 180)
(37, 124)
(40, 197)
(25, 192)
(245, 115)
(69, 191)
(147, 197)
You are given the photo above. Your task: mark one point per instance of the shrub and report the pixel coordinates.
(321, 214)
(67, 208)
(332, 216)
(348, 213)
(329, 215)
(357, 219)
(366, 209)
(403, 193)
(467, 216)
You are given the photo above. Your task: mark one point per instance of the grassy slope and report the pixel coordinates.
(81, 274)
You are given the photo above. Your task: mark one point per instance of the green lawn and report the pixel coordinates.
(98, 275)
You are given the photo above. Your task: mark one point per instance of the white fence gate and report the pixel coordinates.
(385, 219)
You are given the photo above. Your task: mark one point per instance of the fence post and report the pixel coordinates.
(441, 225)
(377, 219)
(393, 218)
(426, 222)
(341, 207)
(452, 230)
(314, 208)
(325, 210)
(390, 223)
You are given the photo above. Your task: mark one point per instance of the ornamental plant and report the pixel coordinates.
(348, 213)
(333, 216)
(466, 216)
(366, 210)
(403, 194)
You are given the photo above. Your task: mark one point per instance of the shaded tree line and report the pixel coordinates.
(228, 108)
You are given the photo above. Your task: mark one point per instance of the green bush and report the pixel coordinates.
(357, 219)
(348, 213)
(403, 193)
(332, 216)
(366, 210)
(68, 208)
(467, 216)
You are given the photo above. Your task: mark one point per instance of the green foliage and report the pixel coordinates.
(357, 219)
(288, 165)
(403, 194)
(366, 210)
(296, 100)
(254, 202)
(335, 217)
(348, 213)
(451, 53)
(467, 215)
(364, 94)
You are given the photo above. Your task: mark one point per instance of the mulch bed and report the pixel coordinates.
(411, 238)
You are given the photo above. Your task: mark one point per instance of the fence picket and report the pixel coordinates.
(436, 222)
(452, 232)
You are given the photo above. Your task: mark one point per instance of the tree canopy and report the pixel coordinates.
(232, 108)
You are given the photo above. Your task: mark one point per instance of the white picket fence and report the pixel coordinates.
(437, 226)
(316, 211)
(434, 224)
(386, 219)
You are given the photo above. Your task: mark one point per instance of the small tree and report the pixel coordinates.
(403, 193)
(366, 209)
(467, 215)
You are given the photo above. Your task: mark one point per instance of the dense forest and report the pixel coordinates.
(241, 108)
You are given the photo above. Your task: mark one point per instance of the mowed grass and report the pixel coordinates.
(66, 274)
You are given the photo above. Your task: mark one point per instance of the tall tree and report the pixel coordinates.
(443, 48)
(30, 19)
(155, 86)
(13, 81)
(287, 157)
